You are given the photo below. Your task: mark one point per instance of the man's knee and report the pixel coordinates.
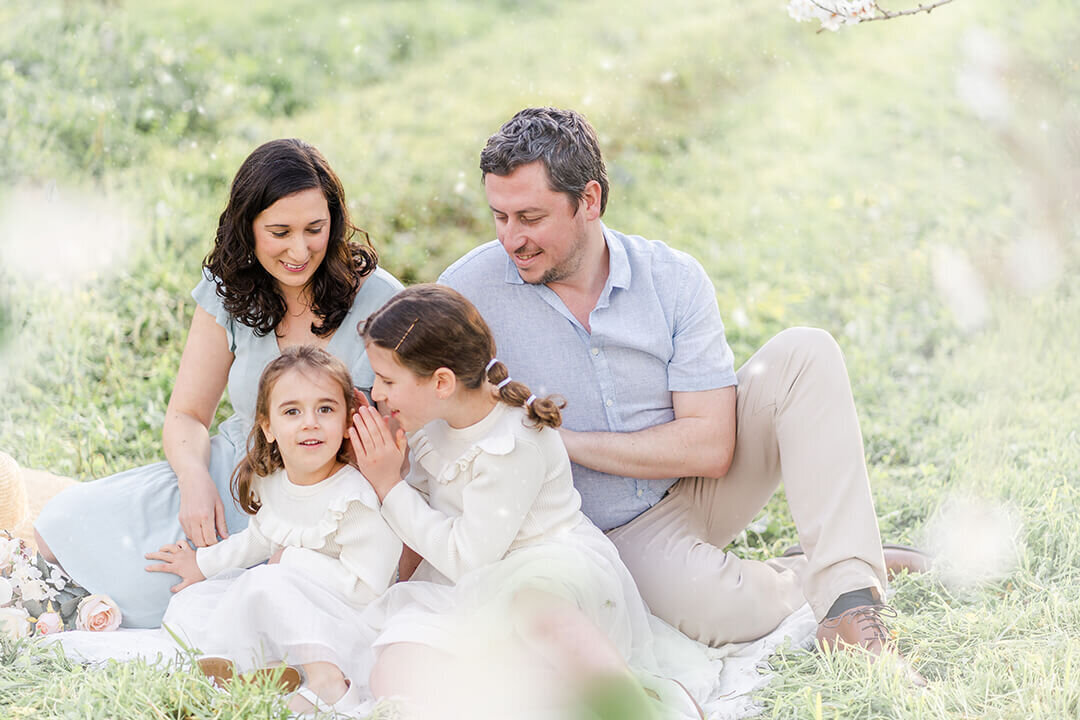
(807, 341)
(802, 349)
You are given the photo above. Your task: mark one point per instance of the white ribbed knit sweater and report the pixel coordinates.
(331, 530)
(475, 494)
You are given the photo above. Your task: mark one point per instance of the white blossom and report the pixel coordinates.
(33, 590)
(802, 10)
(23, 573)
(859, 10)
(831, 20)
(6, 591)
(57, 578)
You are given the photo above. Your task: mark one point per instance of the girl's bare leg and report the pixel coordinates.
(418, 673)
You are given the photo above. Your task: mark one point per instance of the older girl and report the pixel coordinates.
(511, 567)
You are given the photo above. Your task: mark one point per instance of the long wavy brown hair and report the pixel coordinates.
(272, 171)
(262, 457)
(432, 326)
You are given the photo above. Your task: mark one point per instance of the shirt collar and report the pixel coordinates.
(618, 263)
(618, 260)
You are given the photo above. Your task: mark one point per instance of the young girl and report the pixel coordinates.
(489, 503)
(317, 521)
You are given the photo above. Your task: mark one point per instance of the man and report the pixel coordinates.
(674, 452)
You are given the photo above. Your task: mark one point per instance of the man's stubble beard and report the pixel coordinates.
(565, 269)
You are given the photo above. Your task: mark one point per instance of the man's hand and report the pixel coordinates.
(178, 559)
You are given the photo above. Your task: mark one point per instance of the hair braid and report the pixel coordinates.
(544, 411)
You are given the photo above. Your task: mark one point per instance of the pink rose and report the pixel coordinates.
(48, 623)
(97, 613)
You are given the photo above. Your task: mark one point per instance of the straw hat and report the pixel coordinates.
(23, 493)
(13, 506)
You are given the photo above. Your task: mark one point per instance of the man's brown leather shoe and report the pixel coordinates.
(863, 627)
(897, 558)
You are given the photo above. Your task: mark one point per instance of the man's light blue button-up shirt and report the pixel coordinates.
(656, 329)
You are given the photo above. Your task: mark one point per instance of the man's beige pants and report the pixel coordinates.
(796, 422)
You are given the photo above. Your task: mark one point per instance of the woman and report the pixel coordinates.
(283, 271)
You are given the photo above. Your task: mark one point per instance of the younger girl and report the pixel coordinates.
(490, 505)
(317, 521)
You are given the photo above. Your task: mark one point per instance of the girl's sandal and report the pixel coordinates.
(221, 671)
(348, 703)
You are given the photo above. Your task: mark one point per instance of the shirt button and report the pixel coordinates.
(640, 493)
(595, 351)
(608, 402)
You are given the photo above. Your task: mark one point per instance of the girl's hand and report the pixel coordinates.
(379, 450)
(202, 514)
(178, 559)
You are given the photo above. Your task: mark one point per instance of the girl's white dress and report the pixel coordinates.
(339, 555)
(493, 510)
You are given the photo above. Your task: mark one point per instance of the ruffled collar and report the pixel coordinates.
(434, 445)
(340, 490)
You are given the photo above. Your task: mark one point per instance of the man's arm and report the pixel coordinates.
(699, 441)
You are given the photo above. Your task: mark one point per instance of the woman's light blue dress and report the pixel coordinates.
(101, 530)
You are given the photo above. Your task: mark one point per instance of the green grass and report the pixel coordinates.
(817, 177)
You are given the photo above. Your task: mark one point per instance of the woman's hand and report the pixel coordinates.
(202, 514)
(178, 559)
(200, 382)
(380, 451)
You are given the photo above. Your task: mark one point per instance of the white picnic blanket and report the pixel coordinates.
(742, 665)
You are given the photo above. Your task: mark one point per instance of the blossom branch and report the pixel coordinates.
(889, 14)
(835, 13)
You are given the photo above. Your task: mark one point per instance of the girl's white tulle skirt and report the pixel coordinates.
(480, 617)
(272, 614)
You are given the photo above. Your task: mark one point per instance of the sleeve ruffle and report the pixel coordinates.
(205, 294)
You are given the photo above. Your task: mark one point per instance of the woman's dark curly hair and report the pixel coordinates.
(275, 170)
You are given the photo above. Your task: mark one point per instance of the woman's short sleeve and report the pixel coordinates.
(205, 294)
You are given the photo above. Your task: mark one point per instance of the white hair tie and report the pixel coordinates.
(504, 383)
(491, 364)
(529, 402)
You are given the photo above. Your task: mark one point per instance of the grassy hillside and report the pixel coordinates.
(836, 180)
